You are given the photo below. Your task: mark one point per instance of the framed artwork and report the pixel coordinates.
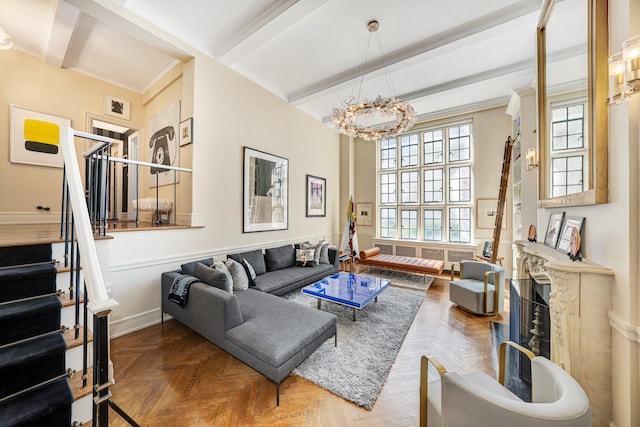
(163, 145)
(553, 229)
(186, 131)
(571, 228)
(265, 192)
(117, 107)
(33, 142)
(364, 213)
(486, 212)
(316, 196)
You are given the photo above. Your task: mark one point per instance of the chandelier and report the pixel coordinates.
(380, 118)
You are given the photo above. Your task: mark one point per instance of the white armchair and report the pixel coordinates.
(476, 399)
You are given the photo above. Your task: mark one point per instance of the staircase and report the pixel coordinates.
(43, 349)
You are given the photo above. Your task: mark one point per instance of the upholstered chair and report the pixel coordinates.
(480, 289)
(477, 399)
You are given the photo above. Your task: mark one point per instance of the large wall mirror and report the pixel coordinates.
(572, 40)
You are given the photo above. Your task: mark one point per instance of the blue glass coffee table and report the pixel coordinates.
(349, 289)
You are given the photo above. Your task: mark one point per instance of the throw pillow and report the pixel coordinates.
(238, 275)
(316, 251)
(324, 253)
(190, 267)
(304, 257)
(250, 272)
(219, 265)
(213, 277)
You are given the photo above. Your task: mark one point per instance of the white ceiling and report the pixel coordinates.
(443, 56)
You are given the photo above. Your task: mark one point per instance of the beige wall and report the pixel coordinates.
(27, 82)
(490, 129)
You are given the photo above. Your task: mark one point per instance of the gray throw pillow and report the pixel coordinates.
(255, 258)
(238, 274)
(214, 277)
(219, 265)
(324, 252)
(189, 268)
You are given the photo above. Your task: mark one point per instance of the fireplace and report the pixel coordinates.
(529, 321)
(579, 300)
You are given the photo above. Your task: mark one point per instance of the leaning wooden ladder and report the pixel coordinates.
(506, 163)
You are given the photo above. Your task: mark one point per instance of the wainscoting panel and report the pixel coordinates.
(431, 253)
(406, 251)
(386, 249)
(457, 256)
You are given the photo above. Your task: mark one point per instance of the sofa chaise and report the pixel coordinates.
(270, 334)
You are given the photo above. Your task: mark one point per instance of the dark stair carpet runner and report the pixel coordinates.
(27, 254)
(32, 348)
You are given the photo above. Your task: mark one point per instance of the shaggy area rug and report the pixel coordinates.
(406, 280)
(357, 368)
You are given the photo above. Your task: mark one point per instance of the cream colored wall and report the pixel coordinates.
(27, 82)
(490, 129)
(229, 113)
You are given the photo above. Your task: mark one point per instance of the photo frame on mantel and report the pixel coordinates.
(553, 229)
(570, 226)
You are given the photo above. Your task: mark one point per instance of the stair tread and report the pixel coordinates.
(66, 301)
(69, 337)
(75, 383)
(21, 409)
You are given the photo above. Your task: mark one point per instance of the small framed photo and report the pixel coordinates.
(364, 213)
(486, 213)
(316, 196)
(571, 227)
(553, 229)
(117, 107)
(186, 131)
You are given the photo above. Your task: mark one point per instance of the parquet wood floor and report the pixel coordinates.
(167, 375)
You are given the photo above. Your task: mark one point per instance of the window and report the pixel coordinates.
(434, 178)
(388, 223)
(568, 152)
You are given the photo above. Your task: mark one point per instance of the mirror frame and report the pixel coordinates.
(598, 112)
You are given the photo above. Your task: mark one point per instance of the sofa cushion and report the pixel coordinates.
(255, 258)
(214, 277)
(304, 257)
(189, 268)
(267, 331)
(324, 253)
(238, 275)
(279, 258)
(288, 279)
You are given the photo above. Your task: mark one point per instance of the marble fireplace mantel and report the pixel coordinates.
(580, 299)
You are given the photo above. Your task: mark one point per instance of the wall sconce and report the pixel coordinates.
(624, 71)
(5, 40)
(531, 159)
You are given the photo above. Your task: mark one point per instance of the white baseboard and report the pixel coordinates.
(40, 217)
(134, 323)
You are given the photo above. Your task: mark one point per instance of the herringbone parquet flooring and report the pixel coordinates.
(167, 375)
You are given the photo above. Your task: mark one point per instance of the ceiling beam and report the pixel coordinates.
(64, 23)
(467, 29)
(258, 33)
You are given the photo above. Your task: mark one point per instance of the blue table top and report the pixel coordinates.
(350, 289)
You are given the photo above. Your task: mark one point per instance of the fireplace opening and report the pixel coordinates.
(529, 322)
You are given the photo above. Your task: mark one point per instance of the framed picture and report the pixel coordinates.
(117, 107)
(186, 131)
(364, 213)
(486, 212)
(163, 145)
(572, 225)
(316, 196)
(33, 142)
(553, 229)
(265, 191)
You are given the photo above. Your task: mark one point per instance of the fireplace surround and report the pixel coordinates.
(579, 302)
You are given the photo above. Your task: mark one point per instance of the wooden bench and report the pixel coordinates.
(373, 258)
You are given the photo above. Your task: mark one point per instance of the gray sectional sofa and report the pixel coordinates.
(270, 334)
